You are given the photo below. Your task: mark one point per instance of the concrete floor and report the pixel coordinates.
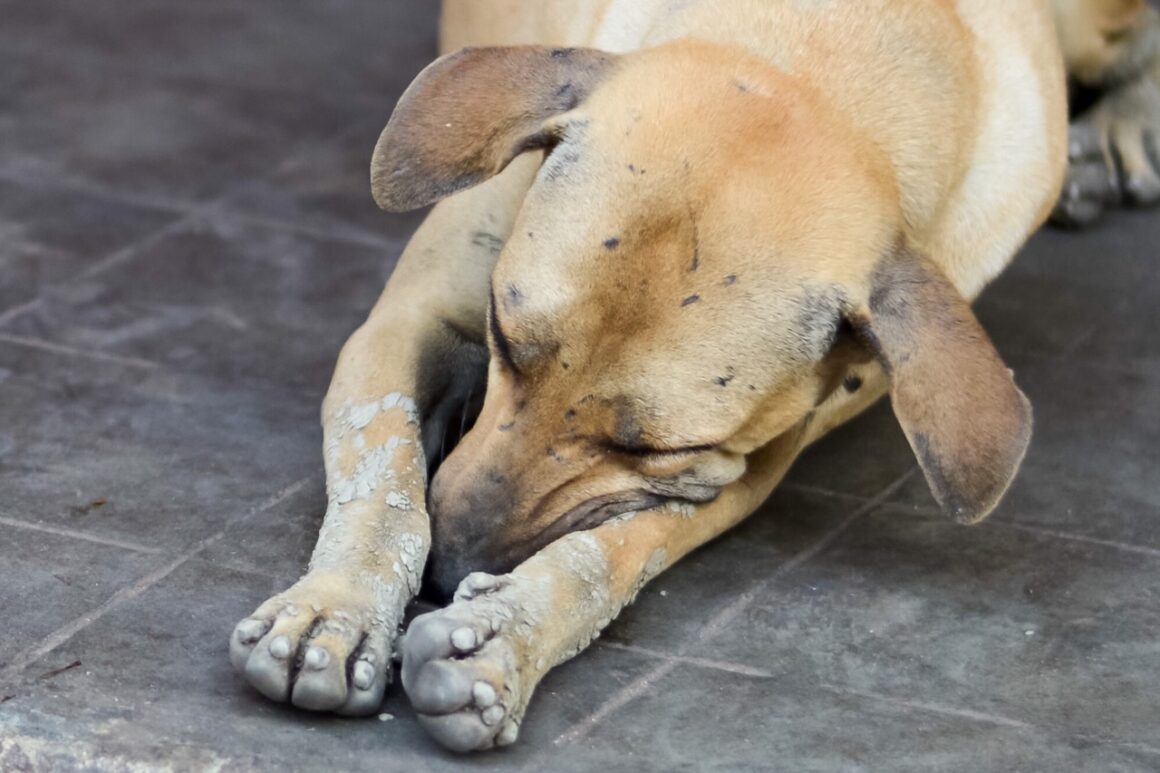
(186, 237)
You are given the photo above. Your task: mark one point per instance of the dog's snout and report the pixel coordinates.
(444, 573)
(470, 510)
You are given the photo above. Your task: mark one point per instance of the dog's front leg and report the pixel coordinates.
(403, 384)
(325, 643)
(470, 669)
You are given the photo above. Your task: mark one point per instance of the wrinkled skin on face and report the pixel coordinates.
(674, 296)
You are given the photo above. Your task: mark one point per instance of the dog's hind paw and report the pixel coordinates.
(466, 669)
(1092, 186)
(1114, 155)
(323, 645)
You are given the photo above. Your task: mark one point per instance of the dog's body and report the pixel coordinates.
(756, 217)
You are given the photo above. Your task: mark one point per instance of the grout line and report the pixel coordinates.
(276, 498)
(130, 251)
(72, 628)
(713, 665)
(352, 235)
(933, 513)
(921, 706)
(189, 206)
(1056, 359)
(217, 206)
(635, 689)
(373, 98)
(186, 213)
(30, 526)
(55, 348)
(734, 609)
(932, 708)
(15, 311)
(289, 579)
(805, 488)
(742, 670)
(1136, 746)
(641, 684)
(67, 184)
(1080, 341)
(1139, 549)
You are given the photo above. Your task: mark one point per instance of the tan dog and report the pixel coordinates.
(723, 229)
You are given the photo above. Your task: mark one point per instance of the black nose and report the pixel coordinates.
(443, 576)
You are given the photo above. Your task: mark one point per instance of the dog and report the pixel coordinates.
(677, 241)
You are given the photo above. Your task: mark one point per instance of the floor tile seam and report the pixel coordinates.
(115, 258)
(353, 235)
(64, 633)
(932, 513)
(937, 709)
(19, 310)
(640, 686)
(17, 523)
(63, 183)
(1076, 537)
(927, 707)
(635, 689)
(711, 664)
(52, 347)
(218, 205)
(176, 76)
(983, 717)
(734, 609)
(740, 669)
(822, 491)
(1073, 360)
(234, 566)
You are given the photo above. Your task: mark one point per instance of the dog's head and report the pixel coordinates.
(703, 255)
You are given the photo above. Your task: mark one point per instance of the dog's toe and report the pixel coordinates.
(468, 732)
(1091, 187)
(1139, 157)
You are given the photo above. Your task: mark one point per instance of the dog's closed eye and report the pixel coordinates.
(650, 451)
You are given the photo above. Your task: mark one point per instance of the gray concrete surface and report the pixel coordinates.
(186, 237)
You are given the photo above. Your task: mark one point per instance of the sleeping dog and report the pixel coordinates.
(677, 241)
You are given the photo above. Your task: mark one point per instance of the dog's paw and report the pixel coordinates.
(1114, 155)
(466, 669)
(323, 645)
(1092, 184)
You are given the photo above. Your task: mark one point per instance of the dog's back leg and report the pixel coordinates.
(1112, 46)
(400, 385)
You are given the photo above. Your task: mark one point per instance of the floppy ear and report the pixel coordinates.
(968, 423)
(470, 113)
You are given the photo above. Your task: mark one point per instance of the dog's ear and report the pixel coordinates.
(470, 113)
(957, 402)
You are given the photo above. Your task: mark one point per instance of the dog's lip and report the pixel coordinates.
(593, 512)
(584, 517)
(599, 510)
